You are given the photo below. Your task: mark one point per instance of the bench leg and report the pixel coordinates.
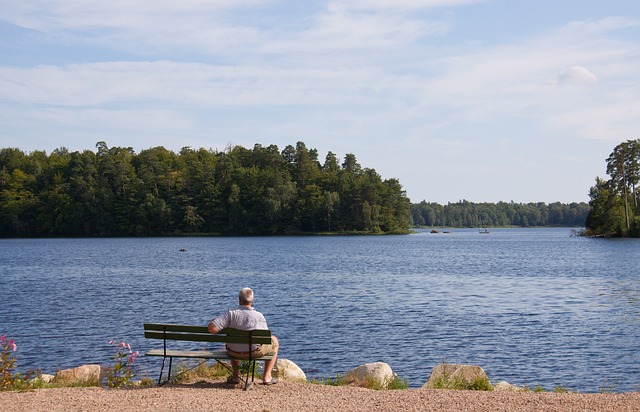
(252, 368)
(161, 369)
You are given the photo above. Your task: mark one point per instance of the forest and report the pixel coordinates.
(261, 191)
(614, 202)
(501, 214)
(114, 191)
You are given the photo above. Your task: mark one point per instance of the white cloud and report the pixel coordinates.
(598, 26)
(123, 14)
(343, 29)
(577, 75)
(93, 84)
(401, 4)
(141, 27)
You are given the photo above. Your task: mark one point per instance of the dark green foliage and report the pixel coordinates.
(502, 214)
(614, 202)
(259, 191)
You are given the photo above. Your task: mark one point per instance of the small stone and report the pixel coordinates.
(507, 387)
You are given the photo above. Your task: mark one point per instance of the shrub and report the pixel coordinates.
(7, 346)
(9, 380)
(459, 383)
(122, 373)
(186, 373)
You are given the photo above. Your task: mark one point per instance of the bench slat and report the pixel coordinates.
(175, 328)
(197, 354)
(208, 337)
(160, 327)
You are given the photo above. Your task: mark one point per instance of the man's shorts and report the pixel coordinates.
(258, 352)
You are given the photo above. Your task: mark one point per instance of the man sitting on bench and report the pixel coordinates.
(245, 317)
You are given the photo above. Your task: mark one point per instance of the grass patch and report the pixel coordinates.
(339, 380)
(30, 382)
(369, 383)
(188, 373)
(461, 384)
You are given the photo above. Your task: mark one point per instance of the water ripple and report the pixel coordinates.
(533, 307)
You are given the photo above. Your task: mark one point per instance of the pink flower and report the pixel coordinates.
(7, 344)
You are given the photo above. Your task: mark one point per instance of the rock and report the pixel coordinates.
(451, 376)
(289, 371)
(507, 387)
(46, 378)
(85, 374)
(365, 375)
(43, 378)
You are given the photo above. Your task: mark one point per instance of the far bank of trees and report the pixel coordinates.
(114, 191)
(117, 192)
(614, 202)
(502, 214)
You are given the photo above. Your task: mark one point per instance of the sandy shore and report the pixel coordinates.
(286, 396)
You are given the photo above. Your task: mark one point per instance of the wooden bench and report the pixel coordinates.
(171, 332)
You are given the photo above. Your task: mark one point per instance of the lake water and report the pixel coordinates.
(531, 306)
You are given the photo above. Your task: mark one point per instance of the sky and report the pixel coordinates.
(482, 100)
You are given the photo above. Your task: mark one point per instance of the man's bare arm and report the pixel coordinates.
(212, 328)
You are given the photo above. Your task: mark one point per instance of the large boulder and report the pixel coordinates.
(289, 371)
(86, 374)
(451, 376)
(371, 374)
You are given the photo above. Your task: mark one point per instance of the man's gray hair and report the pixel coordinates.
(245, 296)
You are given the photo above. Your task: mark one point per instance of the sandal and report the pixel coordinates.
(233, 380)
(273, 381)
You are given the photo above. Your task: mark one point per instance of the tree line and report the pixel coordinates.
(502, 214)
(117, 192)
(614, 202)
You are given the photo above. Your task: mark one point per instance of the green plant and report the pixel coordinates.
(398, 383)
(7, 346)
(338, 381)
(202, 370)
(394, 383)
(122, 373)
(369, 382)
(147, 382)
(459, 383)
(9, 380)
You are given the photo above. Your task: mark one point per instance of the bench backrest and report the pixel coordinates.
(201, 334)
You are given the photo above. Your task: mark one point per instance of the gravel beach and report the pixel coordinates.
(287, 396)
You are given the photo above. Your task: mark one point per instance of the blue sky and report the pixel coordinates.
(459, 99)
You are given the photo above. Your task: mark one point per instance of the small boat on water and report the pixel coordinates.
(484, 231)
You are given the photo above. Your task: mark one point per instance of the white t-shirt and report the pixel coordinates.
(243, 318)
